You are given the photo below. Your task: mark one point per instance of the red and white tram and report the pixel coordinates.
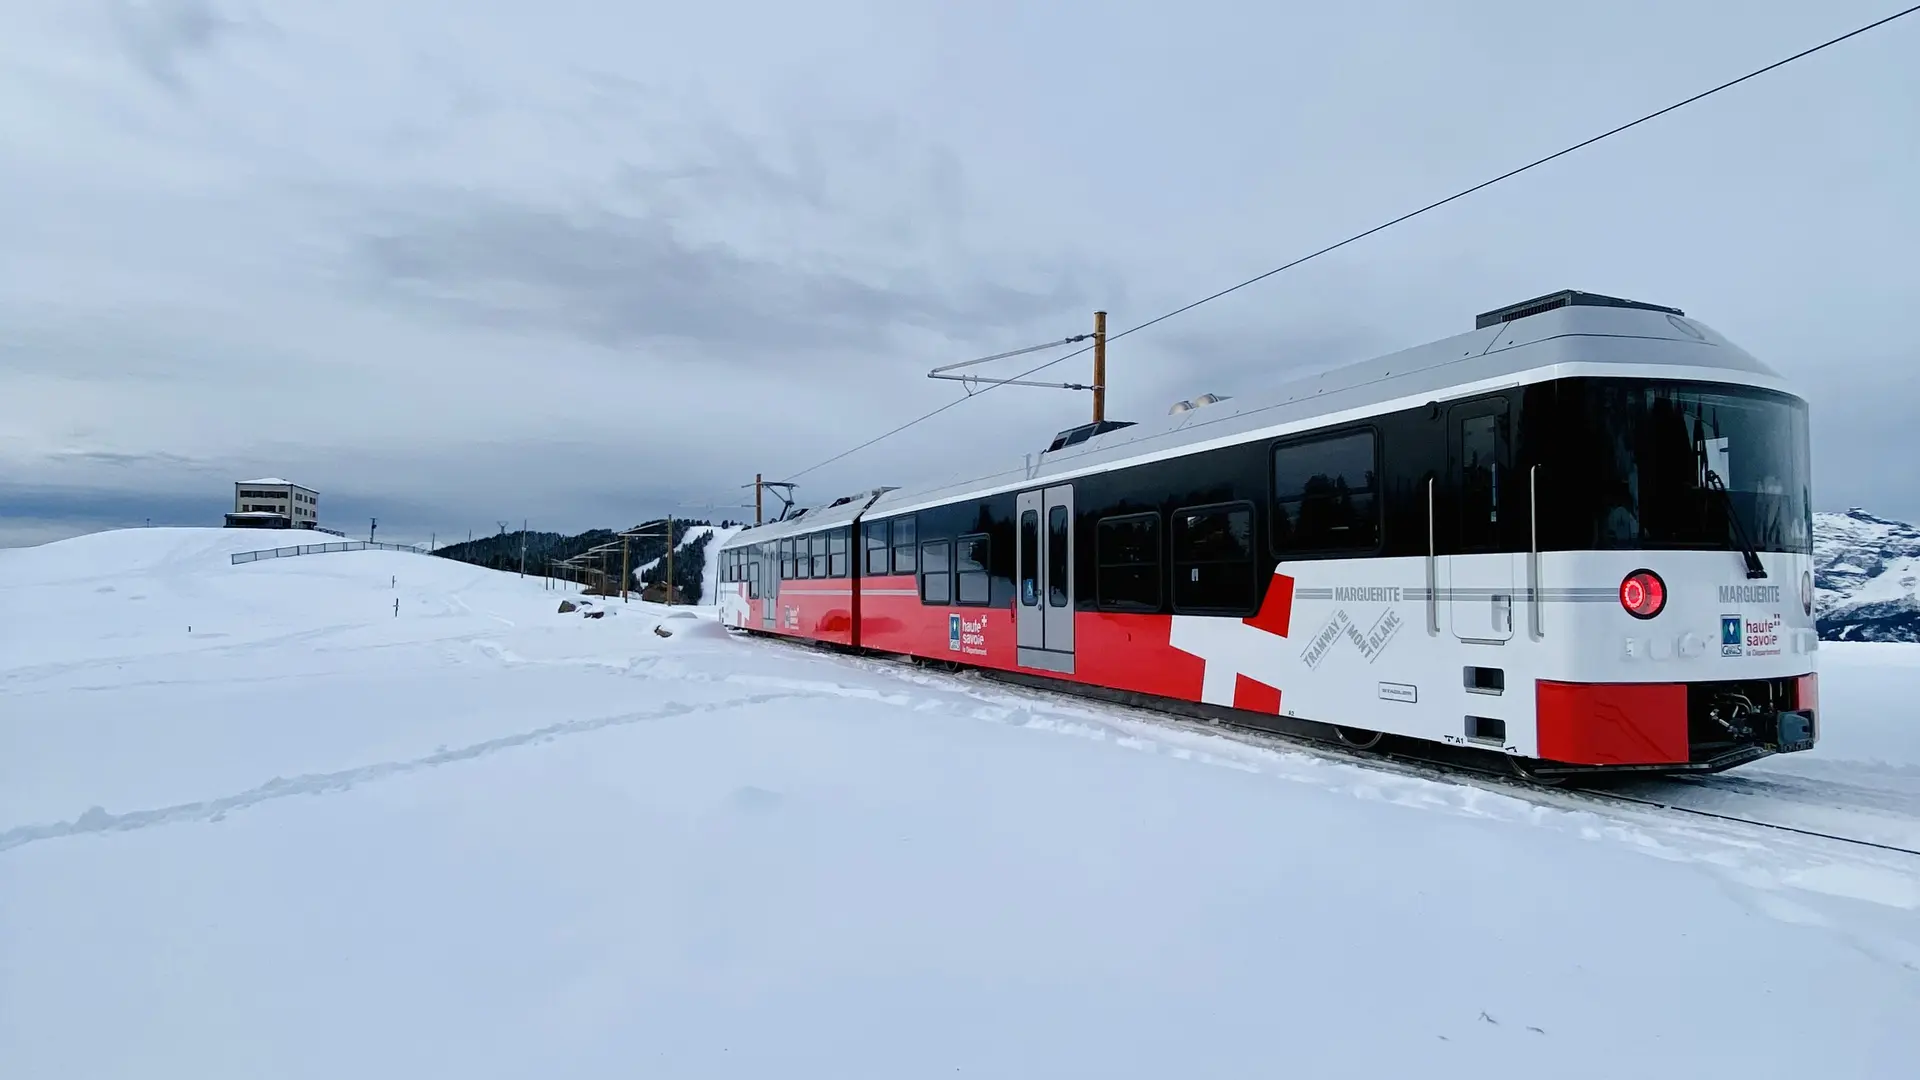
(1579, 536)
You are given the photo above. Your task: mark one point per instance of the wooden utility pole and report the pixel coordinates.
(757, 481)
(1099, 366)
(523, 547)
(623, 569)
(669, 559)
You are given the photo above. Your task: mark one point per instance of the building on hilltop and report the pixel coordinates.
(273, 503)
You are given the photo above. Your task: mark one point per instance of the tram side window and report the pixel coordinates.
(753, 578)
(837, 553)
(1127, 558)
(877, 548)
(970, 570)
(1325, 494)
(1059, 573)
(1030, 559)
(817, 545)
(1213, 560)
(786, 559)
(936, 584)
(802, 561)
(1479, 483)
(904, 548)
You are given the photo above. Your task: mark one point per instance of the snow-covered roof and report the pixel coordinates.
(257, 513)
(841, 511)
(270, 480)
(1558, 343)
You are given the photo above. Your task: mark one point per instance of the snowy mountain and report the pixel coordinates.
(1866, 571)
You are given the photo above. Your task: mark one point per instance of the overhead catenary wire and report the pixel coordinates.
(1409, 215)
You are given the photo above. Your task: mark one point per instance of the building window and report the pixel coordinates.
(1325, 493)
(903, 545)
(936, 584)
(970, 565)
(1213, 560)
(837, 553)
(877, 548)
(1127, 562)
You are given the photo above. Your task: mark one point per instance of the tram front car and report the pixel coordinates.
(1675, 548)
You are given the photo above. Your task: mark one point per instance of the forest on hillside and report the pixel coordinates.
(544, 549)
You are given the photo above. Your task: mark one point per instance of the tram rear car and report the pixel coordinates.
(1579, 536)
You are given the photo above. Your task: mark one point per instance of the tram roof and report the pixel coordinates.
(1539, 345)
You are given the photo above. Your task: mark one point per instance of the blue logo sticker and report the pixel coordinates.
(1729, 635)
(953, 632)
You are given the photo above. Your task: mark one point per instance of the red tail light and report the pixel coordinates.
(1643, 594)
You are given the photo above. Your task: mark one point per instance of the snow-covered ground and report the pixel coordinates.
(311, 837)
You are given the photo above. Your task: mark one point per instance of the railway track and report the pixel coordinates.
(1663, 795)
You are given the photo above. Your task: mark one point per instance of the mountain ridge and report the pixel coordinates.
(1866, 573)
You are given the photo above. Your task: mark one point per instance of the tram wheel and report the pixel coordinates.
(1523, 768)
(1357, 738)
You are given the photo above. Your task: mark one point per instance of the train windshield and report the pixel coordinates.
(1683, 465)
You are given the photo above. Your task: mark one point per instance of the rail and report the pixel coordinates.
(321, 549)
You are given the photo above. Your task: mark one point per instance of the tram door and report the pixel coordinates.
(1043, 576)
(766, 566)
(1479, 575)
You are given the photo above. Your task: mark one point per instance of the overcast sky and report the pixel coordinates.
(581, 261)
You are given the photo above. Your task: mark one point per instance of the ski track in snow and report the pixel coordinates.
(1768, 863)
(98, 820)
(1750, 854)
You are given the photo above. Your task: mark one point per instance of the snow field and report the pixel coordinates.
(483, 839)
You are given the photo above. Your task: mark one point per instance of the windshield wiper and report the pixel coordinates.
(1715, 484)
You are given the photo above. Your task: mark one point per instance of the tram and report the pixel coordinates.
(1578, 536)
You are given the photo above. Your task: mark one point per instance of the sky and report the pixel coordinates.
(459, 262)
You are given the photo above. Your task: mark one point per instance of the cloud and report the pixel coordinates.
(615, 279)
(38, 514)
(161, 37)
(455, 261)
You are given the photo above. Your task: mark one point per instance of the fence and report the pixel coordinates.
(318, 549)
